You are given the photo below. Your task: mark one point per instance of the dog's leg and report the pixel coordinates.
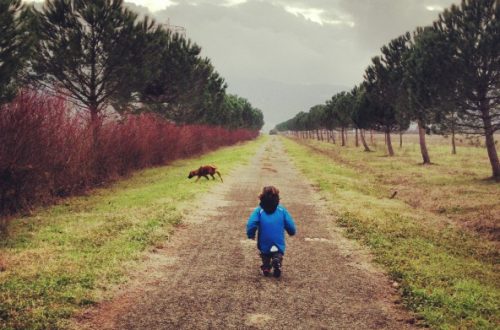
(197, 179)
(213, 177)
(206, 177)
(218, 173)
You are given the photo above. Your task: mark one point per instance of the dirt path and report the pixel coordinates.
(207, 277)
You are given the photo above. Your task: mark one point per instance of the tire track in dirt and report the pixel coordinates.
(207, 277)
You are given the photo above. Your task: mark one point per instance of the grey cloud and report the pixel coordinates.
(377, 22)
(262, 39)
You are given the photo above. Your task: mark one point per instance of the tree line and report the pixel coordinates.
(444, 77)
(104, 58)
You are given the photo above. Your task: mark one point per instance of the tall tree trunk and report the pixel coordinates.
(400, 140)
(389, 143)
(95, 126)
(333, 137)
(371, 136)
(343, 136)
(490, 140)
(423, 147)
(453, 145)
(345, 132)
(92, 99)
(363, 141)
(317, 134)
(357, 141)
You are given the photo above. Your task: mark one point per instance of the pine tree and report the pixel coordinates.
(316, 116)
(385, 91)
(91, 51)
(15, 46)
(428, 82)
(473, 31)
(360, 114)
(186, 88)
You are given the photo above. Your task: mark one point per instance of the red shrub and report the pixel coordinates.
(43, 151)
(46, 149)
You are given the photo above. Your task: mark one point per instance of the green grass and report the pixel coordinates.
(448, 272)
(66, 257)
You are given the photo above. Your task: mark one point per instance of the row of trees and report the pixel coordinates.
(103, 58)
(444, 77)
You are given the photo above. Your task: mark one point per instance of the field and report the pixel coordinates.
(431, 232)
(438, 237)
(69, 256)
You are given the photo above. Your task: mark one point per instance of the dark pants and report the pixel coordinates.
(273, 259)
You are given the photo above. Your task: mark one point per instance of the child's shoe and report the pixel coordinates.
(277, 272)
(265, 271)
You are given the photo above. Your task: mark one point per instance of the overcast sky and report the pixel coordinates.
(285, 56)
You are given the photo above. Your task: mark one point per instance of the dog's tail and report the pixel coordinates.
(218, 173)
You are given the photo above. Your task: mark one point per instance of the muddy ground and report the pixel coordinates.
(207, 276)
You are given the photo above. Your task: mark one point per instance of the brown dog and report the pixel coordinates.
(205, 171)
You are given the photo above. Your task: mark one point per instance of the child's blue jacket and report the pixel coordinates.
(271, 228)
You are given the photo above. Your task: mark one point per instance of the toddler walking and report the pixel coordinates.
(270, 220)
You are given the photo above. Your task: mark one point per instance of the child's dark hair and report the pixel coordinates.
(269, 199)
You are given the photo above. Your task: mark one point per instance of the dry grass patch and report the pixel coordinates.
(455, 187)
